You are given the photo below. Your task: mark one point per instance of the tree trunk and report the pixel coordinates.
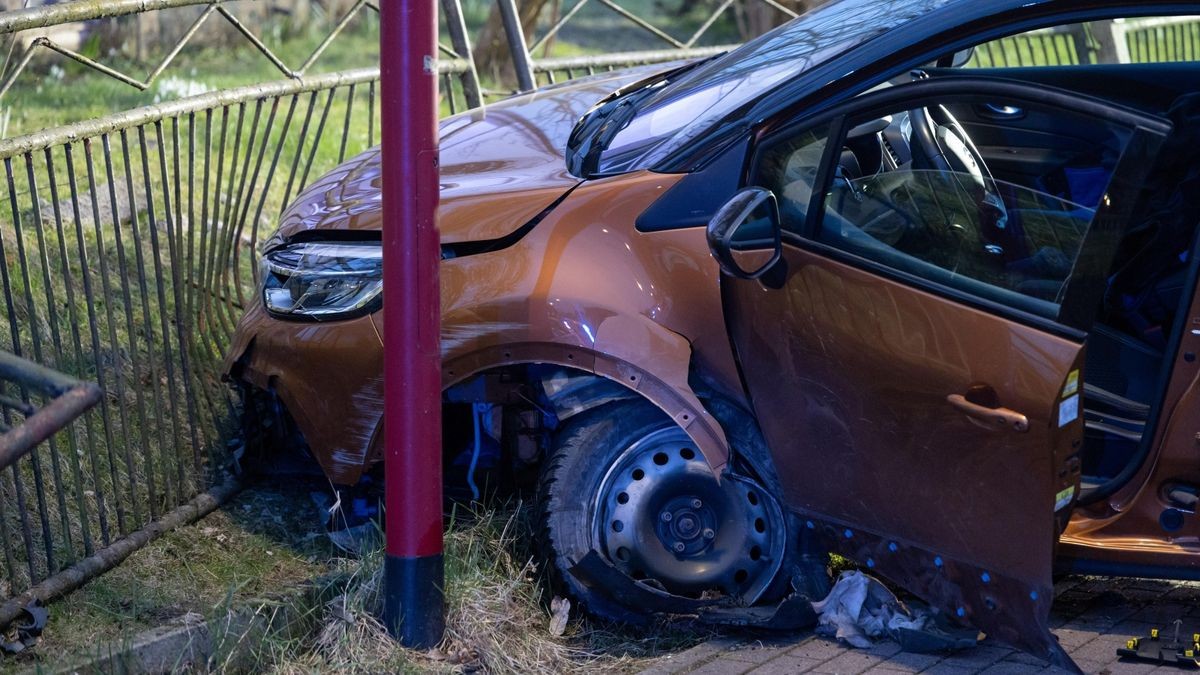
(492, 55)
(755, 17)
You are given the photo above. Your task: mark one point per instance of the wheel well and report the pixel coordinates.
(497, 425)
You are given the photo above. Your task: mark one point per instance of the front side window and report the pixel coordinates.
(947, 194)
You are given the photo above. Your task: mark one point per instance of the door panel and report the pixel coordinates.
(917, 381)
(1033, 144)
(850, 375)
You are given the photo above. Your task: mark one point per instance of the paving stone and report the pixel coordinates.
(1108, 616)
(757, 653)
(1103, 649)
(885, 648)
(1010, 668)
(785, 665)
(1022, 657)
(1070, 638)
(697, 655)
(850, 663)
(1130, 668)
(977, 658)
(1129, 629)
(1162, 614)
(907, 662)
(818, 648)
(943, 669)
(1091, 667)
(722, 666)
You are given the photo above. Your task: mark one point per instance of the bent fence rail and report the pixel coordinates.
(62, 398)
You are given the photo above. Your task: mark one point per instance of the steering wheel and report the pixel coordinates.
(940, 143)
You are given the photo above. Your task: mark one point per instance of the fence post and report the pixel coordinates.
(461, 41)
(413, 581)
(1112, 45)
(517, 44)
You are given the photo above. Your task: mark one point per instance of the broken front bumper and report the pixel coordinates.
(329, 377)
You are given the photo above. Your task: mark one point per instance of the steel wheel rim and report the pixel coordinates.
(662, 518)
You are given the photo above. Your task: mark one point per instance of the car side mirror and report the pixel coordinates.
(744, 235)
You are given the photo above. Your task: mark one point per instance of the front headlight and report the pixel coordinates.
(323, 280)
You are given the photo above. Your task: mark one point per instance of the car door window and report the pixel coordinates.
(1165, 39)
(790, 170)
(1005, 221)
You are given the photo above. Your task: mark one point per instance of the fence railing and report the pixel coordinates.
(128, 249)
(127, 255)
(62, 399)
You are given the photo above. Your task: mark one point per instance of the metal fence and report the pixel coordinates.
(127, 255)
(128, 249)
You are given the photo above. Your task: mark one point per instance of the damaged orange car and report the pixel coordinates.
(849, 288)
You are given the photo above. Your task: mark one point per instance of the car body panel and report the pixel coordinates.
(321, 373)
(849, 374)
(583, 290)
(1126, 531)
(510, 153)
(852, 368)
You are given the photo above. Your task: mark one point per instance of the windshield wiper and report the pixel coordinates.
(596, 130)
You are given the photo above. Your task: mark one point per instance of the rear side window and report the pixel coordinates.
(1111, 42)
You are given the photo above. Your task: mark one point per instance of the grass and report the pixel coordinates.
(56, 90)
(262, 541)
(496, 620)
(267, 540)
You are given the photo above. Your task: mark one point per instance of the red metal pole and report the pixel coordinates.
(413, 582)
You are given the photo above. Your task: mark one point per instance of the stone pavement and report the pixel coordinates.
(1092, 617)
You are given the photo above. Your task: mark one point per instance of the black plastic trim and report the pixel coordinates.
(468, 248)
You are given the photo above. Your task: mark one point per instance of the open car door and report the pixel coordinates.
(911, 333)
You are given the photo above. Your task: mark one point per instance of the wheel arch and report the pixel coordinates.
(663, 384)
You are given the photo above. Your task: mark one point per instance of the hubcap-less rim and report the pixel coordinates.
(664, 519)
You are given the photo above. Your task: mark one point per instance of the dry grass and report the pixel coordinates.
(262, 542)
(266, 543)
(496, 620)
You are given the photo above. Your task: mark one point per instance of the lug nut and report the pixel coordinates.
(708, 533)
(696, 503)
(679, 547)
(666, 516)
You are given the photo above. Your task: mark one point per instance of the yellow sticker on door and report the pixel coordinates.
(1063, 499)
(1072, 386)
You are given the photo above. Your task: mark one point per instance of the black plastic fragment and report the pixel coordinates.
(26, 629)
(794, 612)
(1160, 650)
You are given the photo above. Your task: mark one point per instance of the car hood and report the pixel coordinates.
(500, 167)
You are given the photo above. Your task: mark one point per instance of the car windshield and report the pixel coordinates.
(689, 106)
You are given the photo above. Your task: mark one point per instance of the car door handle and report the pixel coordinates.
(998, 111)
(999, 417)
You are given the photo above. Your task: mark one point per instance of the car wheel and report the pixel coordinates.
(628, 483)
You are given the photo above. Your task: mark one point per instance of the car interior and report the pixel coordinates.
(995, 199)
